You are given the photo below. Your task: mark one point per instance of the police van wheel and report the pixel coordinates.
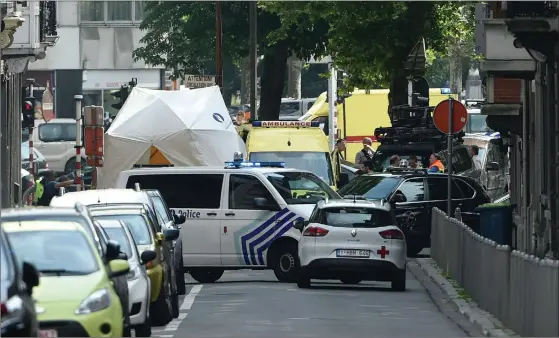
(206, 275)
(286, 263)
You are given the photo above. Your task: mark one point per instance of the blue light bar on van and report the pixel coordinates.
(239, 164)
(446, 91)
(285, 124)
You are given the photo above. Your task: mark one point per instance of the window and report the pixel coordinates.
(243, 189)
(195, 191)
(102, 242)
(323, 123)
(466, 190)
(371, 187)
(438, 188)
(6, 268)
(137, 224)
(461, 160)
(57, 132)
(290, 109)
(301, 187)
(161, 209)
(112, 11)
(413, 190)
(310, 104)
(119, 235)
(356, 217)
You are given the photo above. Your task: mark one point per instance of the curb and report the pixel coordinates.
(482, 320)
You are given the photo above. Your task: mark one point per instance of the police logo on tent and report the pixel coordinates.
(218, 117)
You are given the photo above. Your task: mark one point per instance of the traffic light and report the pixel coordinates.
(28, 112)
(122, 95)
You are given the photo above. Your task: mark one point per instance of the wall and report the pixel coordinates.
(68, 83)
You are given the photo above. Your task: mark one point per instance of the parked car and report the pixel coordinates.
(412, 194)
(39, 161)
(139, 287)
(19, 318)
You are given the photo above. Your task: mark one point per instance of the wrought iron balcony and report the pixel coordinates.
(530, 9)
(47, 21)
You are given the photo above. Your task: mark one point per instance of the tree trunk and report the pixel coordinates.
(455, 61)
(398, 94)
(272, 82)
(245, 80)
(295, 66)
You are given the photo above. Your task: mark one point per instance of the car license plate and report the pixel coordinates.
(48, 333)
(353, 253)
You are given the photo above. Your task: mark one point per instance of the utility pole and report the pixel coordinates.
(218, 45)
(253, 15)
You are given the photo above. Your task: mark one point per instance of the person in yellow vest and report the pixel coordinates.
(435, 166)
(45, 188)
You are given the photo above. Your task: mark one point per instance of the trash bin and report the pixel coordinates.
(495, 220)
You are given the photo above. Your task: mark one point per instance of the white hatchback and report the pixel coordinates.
(352, 241)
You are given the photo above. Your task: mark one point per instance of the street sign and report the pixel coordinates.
(199, 81)
(442, 113)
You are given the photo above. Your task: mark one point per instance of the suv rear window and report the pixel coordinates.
(371, 187)
(355, 217)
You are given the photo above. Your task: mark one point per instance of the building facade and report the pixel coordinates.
(93, 56)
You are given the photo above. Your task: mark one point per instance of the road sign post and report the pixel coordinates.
(450, 117)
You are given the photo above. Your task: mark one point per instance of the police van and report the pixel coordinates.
(239, 216)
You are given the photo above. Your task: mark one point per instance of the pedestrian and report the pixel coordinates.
(337, 155)
(45, 188)
(414, 164)
(474, 152)
(365, 154)
(435, 166)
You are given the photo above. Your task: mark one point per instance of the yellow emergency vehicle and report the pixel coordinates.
(365, 111)
(300, 145)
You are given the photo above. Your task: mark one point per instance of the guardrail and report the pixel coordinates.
(522, 291)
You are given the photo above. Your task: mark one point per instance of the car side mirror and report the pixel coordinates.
(492, 166)
(343, 179)
(148, 256)
(122, 256)
(171, 234)
(262, 203)
(113, 250)
(398, 198)
(299, 225)
(118, 267)
(30, 276)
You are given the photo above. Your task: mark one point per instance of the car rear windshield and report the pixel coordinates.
(356, 217)
(371, 187)
(137, 225)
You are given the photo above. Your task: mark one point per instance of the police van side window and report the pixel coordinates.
(243, 189)
(195, 191)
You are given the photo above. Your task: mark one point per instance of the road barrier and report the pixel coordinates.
(522, 291)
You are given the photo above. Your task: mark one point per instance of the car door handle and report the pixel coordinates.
(211, 214)
(230, 214)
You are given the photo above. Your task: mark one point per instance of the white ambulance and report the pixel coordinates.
(239, 216)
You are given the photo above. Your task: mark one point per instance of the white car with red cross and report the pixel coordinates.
(352, 240)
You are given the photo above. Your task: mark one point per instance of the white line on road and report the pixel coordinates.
(185, 306)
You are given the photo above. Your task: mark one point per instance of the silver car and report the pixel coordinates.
(139, 286)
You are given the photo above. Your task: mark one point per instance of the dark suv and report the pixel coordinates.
(412, 194)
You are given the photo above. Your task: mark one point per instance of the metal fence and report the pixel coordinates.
(522, 291)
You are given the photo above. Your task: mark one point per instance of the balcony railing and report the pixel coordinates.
(530, 9)
(47, 20)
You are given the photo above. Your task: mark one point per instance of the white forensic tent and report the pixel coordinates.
(188, 127)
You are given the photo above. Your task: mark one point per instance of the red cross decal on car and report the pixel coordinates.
(383, 252)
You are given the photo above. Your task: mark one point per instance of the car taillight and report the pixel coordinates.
(315, 232)
(391, 234)
(4, 309)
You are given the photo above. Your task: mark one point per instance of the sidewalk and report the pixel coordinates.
(461, 302)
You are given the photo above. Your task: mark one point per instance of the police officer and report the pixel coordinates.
(45, 188)
(435, 166)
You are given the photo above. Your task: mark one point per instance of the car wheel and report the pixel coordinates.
(413, 249)
(286, 263)
(127, 331)
(399, 281)
(144, 329)
(206, 275)
(161, 311)
(179, 276)
(350, 280)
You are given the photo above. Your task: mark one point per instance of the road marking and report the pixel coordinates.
(185, 306)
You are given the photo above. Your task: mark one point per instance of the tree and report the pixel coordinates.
(371, 40)
(181, 36)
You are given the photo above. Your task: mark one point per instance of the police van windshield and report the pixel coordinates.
(300, 187)
(315, 162)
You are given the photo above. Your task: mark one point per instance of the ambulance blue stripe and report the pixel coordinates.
(265, 247)
(255, 232)
(267, 236)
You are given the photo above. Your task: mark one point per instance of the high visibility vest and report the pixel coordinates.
(39, 191)
(439, 165)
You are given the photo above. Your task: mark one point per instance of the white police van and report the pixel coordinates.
(239, 216)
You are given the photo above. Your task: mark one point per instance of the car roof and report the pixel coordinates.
(358, 203)
(201, 169)
(39, 211)
(40, 225)
(118, 211)
(110, 223)
(99, 196)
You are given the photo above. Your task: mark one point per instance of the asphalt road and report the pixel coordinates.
(252, 304)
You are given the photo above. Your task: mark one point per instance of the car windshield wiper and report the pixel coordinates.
(63, 271)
